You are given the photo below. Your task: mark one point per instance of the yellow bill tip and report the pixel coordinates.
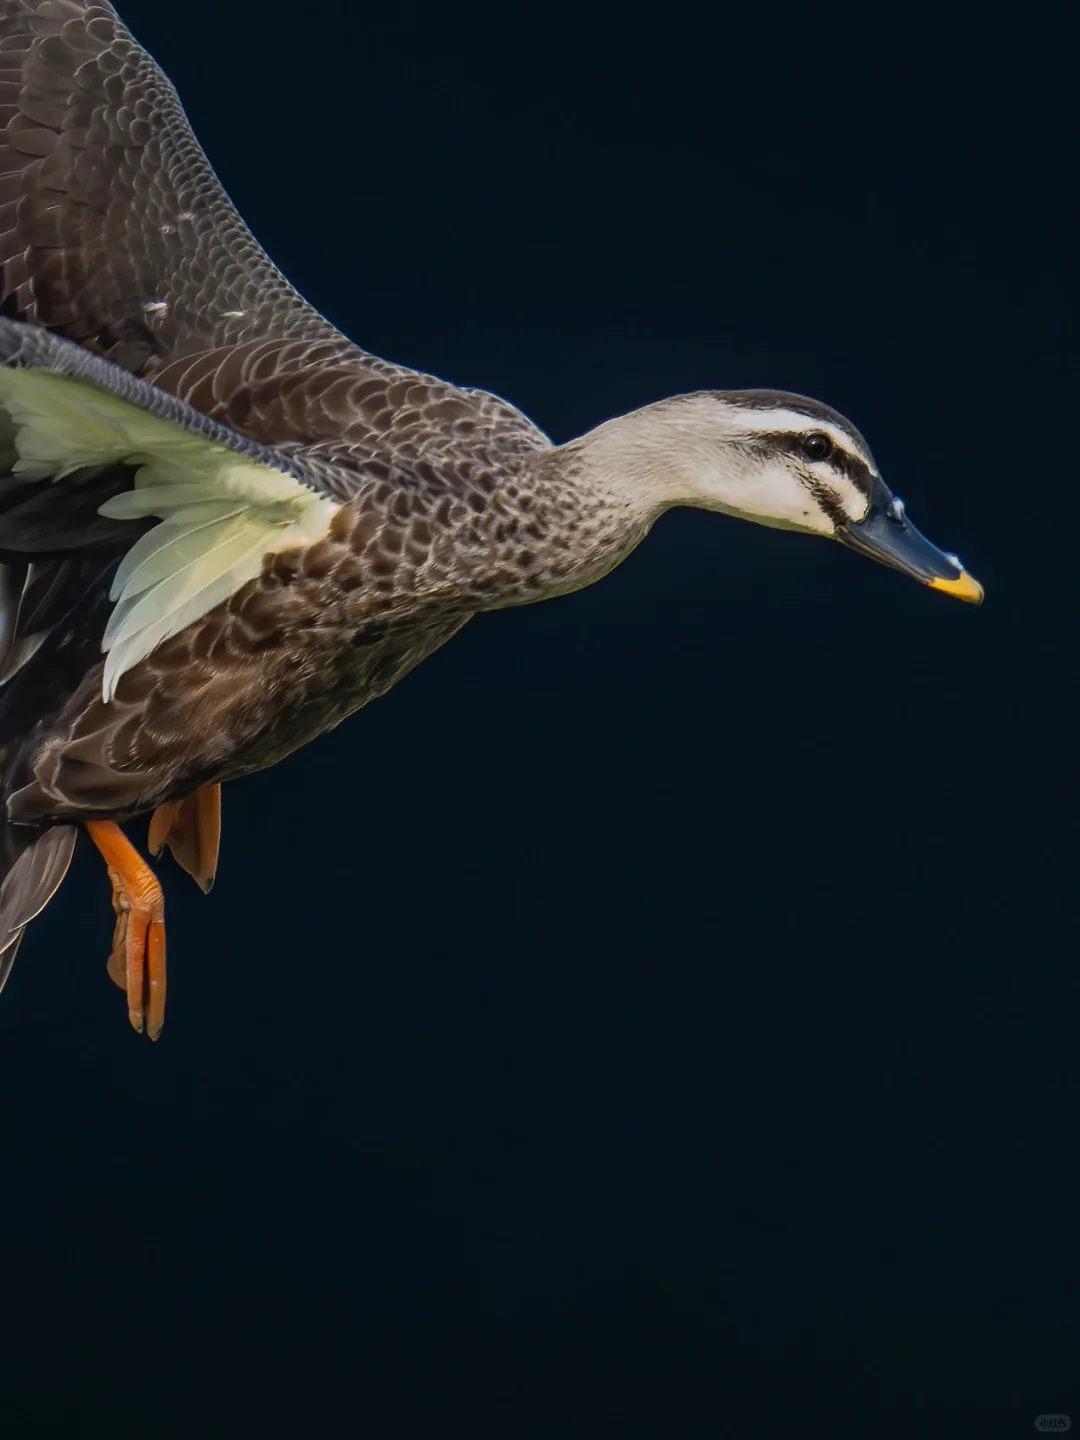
(964, 587)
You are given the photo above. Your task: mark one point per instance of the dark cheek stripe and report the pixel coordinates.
(827, 499)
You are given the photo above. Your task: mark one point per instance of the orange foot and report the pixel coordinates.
(137, 962)
(191, 828)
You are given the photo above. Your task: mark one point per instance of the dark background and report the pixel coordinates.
(659, 1016)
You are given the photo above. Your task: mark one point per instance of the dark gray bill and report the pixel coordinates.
(889, 536)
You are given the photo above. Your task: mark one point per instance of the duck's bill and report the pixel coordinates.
(889, 536)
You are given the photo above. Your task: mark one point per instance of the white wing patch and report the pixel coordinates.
(221, 512)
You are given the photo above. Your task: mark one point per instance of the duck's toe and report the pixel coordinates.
(137, 962)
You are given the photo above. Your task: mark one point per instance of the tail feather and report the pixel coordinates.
(30, 884)
(7, 959)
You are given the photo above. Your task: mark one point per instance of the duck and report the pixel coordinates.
(225, 528)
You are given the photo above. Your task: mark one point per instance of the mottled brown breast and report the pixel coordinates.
(286, 659)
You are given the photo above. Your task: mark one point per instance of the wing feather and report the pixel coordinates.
(221, 508)
(143, 258)
(181, 598)
(140, 568)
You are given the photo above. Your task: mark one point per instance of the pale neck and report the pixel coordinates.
(647, 461)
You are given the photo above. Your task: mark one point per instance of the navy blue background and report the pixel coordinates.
(659, 1015)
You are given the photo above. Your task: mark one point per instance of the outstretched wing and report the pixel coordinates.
(114, 230)
(115, 233)
(70, 422)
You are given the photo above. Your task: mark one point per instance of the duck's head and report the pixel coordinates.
(783, 461)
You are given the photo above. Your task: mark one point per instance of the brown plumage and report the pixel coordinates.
(121, 257)
(115, 234)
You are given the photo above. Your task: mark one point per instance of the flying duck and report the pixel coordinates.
(224, 527)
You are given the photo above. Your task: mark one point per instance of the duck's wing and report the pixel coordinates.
(116, 234)
(118, 243)
(78, 426)
(114, 230)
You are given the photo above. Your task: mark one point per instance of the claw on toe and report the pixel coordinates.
(191, 828)
(137, 962)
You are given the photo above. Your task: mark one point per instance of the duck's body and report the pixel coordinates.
(341, 517)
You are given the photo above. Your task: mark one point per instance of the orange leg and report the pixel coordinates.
(191, 828)
(137, 962)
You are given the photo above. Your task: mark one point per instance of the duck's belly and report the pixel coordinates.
(234, 693)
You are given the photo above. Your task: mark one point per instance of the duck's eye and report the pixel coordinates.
(817, 446)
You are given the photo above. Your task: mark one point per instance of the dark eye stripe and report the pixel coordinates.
(789, 443)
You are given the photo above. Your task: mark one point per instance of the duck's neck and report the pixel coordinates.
(565, 517)
(646, 461)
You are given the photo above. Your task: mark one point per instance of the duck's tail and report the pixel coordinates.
(38, 652)
(35, 862)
